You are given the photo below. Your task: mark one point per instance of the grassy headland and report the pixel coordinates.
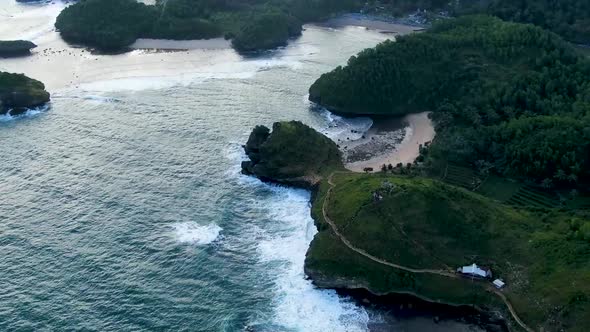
(19, 92)
(424, 224)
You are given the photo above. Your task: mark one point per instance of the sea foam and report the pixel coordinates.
(194, 233)
(343, 129)
(298, 305)
(29, 113)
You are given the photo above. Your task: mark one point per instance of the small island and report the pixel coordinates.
(19, 93)
(15, 48)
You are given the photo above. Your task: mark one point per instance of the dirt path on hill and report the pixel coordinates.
(443, 273)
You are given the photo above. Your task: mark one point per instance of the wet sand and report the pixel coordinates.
(166, 44)
(390, 146)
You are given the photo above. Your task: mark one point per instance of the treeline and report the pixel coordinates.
(255, 24)
(568, 18)
(511, 95)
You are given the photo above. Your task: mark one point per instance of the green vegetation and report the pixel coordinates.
(105, 24)
(293, 153)
(18, 92)
(266, 32)
(509, 95)
(425, 224)
(256, 24)
(12, 48)
(568, 18)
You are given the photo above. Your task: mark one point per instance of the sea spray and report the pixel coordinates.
(298, 305)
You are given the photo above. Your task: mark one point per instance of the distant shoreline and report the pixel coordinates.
(358, 20)
(371, 22)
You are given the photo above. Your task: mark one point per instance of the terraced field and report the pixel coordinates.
(461, 177)
(509, 191)
(529, 196)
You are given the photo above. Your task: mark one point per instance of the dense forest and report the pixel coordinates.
(568, 18)
(510, 95)
(255, 24)
(114, 24)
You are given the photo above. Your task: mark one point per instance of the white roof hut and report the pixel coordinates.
(474, 270)
(499, 283)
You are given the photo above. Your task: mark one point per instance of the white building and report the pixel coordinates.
(475, 271)
(499, 283)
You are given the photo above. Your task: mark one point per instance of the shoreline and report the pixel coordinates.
(418, 131)
(180, 45)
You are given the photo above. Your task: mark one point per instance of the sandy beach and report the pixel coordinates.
(391, 146)
(183, 45)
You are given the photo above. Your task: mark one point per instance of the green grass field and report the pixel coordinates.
(424, 223)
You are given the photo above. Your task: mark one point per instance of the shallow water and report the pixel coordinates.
(123, 208)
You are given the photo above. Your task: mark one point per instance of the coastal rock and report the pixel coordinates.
(293, 154)
(267, 32)
(19, 93)
(15, 48)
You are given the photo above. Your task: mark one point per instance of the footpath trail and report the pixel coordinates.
(443, 273)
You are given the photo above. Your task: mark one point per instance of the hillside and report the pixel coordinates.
(488, 82)
(423, 224)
